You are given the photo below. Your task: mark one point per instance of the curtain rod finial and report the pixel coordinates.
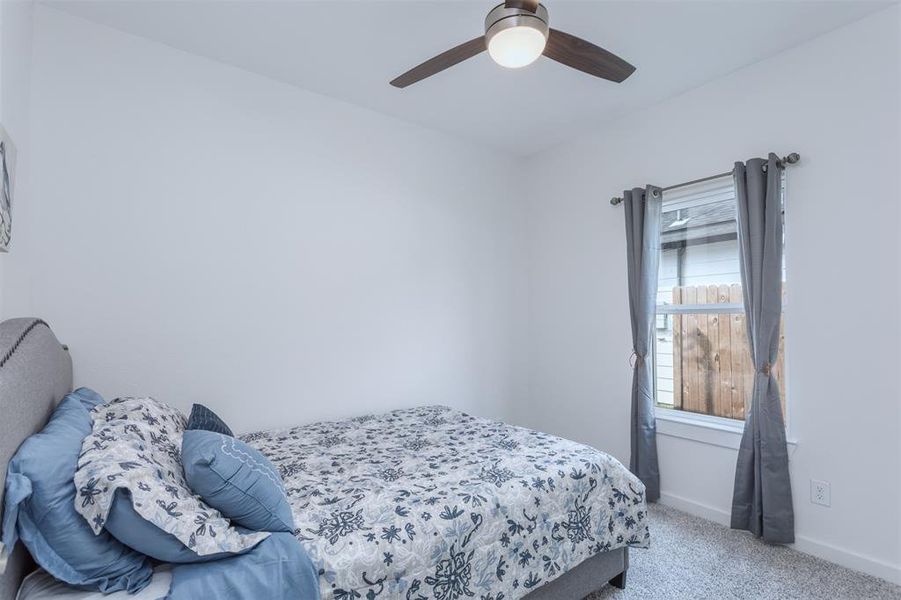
(792, 158)
(615, 201)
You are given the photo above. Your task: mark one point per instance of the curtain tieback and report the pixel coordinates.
(635, 359)
(766, 369)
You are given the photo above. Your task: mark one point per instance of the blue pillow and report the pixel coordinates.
(40, 507)
(205, 419)
(135, 531)
(236, 480)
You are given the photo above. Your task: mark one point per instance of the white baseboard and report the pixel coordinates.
(696, 508)
(851, 560)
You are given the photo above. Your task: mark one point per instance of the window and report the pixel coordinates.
(701, 356)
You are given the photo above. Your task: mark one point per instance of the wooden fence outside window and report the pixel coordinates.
(712, 371)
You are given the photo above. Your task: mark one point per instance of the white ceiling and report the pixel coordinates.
(350, 50)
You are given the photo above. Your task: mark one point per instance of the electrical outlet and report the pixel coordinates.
(820, 492)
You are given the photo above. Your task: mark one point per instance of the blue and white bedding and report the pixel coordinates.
(135, 445)
(275, 569)
(432, 503)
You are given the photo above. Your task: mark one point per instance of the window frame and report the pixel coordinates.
(710, 429)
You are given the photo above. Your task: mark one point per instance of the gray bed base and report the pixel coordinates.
(588, 577)
(35, 374)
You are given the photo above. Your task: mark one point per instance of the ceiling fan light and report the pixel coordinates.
(516, 36)
(516, 47)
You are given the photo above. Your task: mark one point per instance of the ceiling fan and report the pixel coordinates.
(516, 34)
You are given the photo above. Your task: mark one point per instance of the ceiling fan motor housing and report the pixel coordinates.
(501, 17)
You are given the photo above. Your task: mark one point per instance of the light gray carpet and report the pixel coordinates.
(691, 558)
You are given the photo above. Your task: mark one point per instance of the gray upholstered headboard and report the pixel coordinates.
(35, 374)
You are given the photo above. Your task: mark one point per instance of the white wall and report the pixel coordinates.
(15, 86)
(200, 233)
(842, 256)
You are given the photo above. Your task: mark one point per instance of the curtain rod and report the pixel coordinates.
(791, 159)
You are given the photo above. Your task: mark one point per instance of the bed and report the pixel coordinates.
(414, 504)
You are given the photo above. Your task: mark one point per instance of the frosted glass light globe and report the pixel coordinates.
(516, 47)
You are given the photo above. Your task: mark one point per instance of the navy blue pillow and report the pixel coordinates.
(205, 419)
(40, 507)
(236, 480)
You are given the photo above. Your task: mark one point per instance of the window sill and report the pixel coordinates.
(713, 431)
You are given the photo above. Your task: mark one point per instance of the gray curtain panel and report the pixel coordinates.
(643, 208)
(762, 499)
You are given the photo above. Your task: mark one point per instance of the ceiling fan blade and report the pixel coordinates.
(529, 5)
(586, 57)
(441, 62)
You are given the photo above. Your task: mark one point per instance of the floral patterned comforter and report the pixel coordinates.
(432, 503)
